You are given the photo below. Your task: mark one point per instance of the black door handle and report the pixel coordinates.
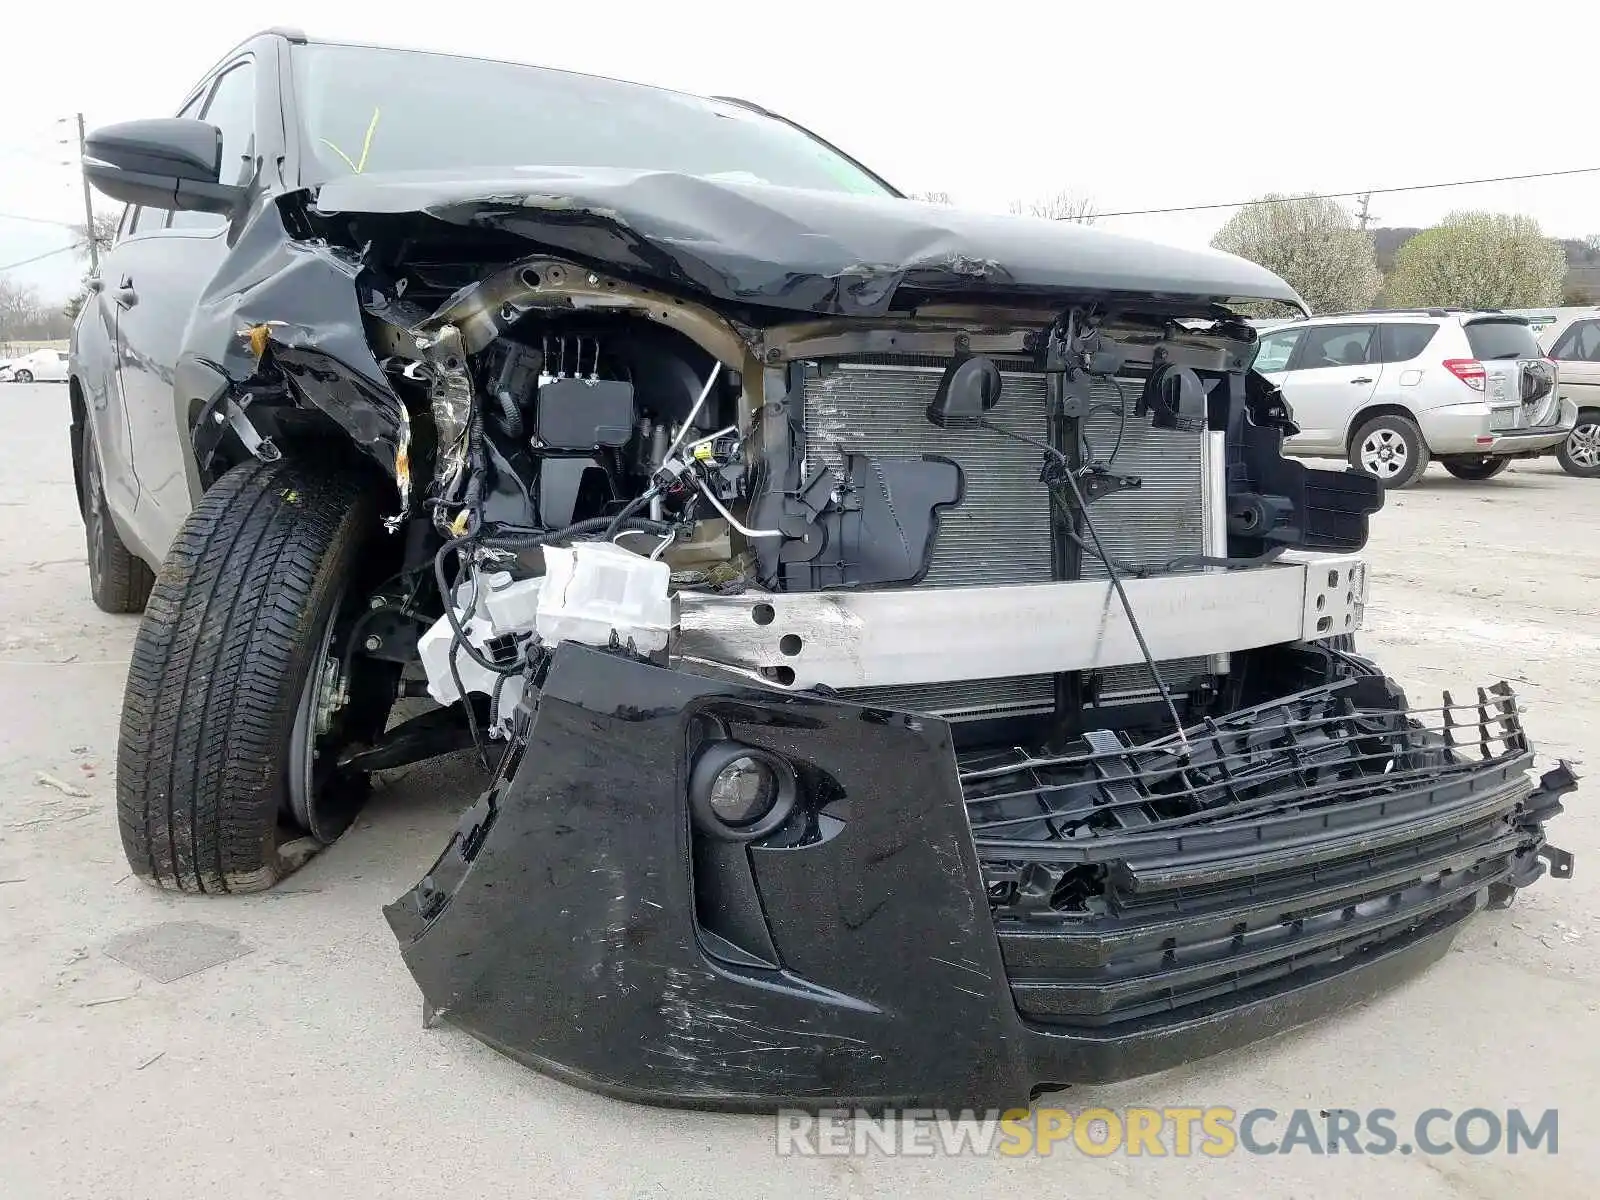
(125, 295)
(1363, 379)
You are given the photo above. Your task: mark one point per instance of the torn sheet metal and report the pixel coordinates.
(789, 248)
(308, 297)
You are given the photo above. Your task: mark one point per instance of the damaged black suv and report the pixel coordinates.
(904, 667)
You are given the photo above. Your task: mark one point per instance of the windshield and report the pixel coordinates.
(365, 109)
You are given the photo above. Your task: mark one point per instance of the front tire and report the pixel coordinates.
(23, 376)
(1476, 467)
(119, 580)
(1390, 449)
(1580, 454)
(235, 642)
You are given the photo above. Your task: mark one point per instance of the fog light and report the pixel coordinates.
(741, 793)
(744, 791)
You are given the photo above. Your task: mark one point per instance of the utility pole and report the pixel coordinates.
(88, 202)
(1362, 214)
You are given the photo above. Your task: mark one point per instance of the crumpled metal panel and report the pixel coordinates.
(790, 248)
(308, 297)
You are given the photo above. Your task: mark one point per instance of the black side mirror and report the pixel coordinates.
(171, 162)
(968, 390)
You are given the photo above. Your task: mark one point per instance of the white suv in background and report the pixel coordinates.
(1391, 389)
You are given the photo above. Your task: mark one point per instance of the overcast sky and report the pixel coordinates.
(1138, 105)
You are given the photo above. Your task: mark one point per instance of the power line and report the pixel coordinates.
(37, 257)
(1389, 191)
(5, 216)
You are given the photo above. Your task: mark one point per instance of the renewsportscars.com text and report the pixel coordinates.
(1209, 1132)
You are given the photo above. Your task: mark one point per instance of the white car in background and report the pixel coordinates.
(46, 366)
(1390, 390)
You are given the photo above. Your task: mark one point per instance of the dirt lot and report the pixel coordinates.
(300, 1067)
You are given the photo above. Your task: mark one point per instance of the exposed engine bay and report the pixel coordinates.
(621, 468)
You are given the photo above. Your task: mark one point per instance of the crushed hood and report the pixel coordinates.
(809, 251)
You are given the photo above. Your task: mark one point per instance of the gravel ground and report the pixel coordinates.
(300, 1067)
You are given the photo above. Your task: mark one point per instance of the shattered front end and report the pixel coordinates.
(915, 672)
(913, 924)
(904, 666)
(975, 713)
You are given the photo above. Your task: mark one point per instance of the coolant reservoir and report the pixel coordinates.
(595, 589)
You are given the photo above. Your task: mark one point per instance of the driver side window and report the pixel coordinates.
(1338, 346)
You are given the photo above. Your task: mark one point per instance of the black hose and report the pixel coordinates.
(1127, 605)
(1100, 552)
(466, 702)
(513, 536)
(510, 414)
(628, 510)
(477, 462)
(460, 638)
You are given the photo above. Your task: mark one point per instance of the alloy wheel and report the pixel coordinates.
(1583, 445)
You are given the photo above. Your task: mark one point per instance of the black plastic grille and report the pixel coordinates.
(1132, 882)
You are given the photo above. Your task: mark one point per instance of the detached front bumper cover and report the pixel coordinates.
(947, 930)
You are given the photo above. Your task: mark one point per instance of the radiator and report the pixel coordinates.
(1000, 533)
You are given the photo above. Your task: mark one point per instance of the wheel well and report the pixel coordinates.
(1371, 411)
(305, 433)
(80, 425)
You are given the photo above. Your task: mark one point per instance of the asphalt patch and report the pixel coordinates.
(175, 950)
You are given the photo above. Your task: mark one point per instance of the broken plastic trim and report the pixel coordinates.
(562, 925)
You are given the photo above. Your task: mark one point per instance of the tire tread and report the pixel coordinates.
(216, 674)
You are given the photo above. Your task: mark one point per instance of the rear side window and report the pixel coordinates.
(1337, 346)
(1502, 339)
(1581, 343)
(1399, 343)
(1274, 351)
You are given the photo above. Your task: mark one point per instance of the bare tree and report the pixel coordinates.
(19, 305)
(1058, 206)
(1313, 243)
(1479, 260)
(1591, 243)
(102, 233)
(23, 318)
(933, 197)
